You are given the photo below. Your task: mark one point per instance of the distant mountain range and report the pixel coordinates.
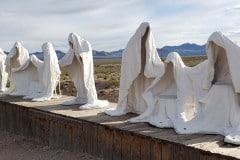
(102, 54)
(186, 49)
(60, 54)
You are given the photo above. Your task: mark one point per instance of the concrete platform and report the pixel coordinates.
(93, 132)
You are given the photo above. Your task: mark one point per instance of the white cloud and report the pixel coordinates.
(108, 25)
(237, 7)
(196, 24)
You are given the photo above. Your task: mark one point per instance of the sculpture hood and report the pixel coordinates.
(223, 56)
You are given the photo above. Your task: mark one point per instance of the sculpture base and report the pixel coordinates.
(94, 132)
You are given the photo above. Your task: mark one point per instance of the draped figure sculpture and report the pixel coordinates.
(37, 79)
(78, 63)
(221, 105)
(140, 65)
(3, 74)
(171, 97)
(200, 99)
(48, 75)
(16, 59)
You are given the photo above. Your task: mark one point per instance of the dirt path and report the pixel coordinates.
(14, 147)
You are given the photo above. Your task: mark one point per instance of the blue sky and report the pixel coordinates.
(109, 24)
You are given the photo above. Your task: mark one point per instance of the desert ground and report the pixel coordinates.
(14, 147)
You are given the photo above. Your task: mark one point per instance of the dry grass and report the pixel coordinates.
(192, 61)
(107, 77)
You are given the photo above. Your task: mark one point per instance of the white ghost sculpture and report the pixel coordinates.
(16, 59)
(3, 74)
(140, 65)
(200, 99)
(220, 107)
(37, 80)
(49, 74)
(171, 97)
(78, 63)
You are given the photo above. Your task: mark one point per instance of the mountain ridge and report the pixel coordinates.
(185, 49)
